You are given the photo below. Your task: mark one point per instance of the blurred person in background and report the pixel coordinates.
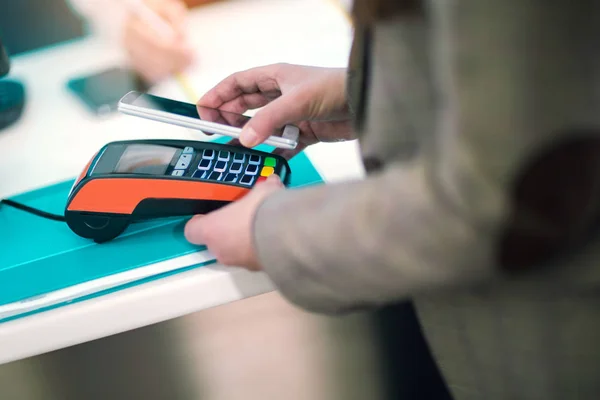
(29, 25)
(153, 55)
(479, 131)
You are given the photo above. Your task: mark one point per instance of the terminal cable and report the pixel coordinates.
(31, 210)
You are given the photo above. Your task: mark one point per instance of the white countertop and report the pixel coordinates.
(229, 36)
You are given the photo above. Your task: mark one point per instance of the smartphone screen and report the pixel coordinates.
(155, 103)
(102, 90)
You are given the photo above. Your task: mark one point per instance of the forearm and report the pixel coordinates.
(338, 247)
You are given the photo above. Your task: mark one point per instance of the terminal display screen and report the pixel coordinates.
(145, 159)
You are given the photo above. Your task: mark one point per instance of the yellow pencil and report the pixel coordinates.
(187, 87)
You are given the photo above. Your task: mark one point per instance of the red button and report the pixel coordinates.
(261, 179)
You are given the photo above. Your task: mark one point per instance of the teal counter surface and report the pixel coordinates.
(39, 256)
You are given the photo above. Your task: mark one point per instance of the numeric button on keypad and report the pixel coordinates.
(204, 165)
(254, 159)
(224, 155)
(236, 168)
(208, 154)
(220, 166)
(247, 180)
(239, 157)
(200, 174)
(251, 169)
(231, 178)
(215, 176)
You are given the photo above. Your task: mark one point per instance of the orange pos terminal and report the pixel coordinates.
(130, 181)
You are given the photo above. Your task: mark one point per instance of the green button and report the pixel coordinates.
(270, 162)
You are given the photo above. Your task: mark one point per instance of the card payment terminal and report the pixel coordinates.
(129, 181)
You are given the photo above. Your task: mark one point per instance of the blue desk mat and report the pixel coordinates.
(39, 256)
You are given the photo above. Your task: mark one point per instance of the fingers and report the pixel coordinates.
(288, 154)
(211, 115)
(287, 109)
(200, 229)
(222, 117)
(150, 71)
(246, 102)
(152, 54)
(235, 120)
(155, 60)
(255, 80)
(231, 112)
(174, 12)
(195, 230)
(273, 182)
(167, 17)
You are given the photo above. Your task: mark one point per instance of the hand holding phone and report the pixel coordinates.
(208, 120)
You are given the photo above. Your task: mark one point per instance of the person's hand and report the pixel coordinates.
(222, 117)
(227, 232)
(152, 54)
(312, 98)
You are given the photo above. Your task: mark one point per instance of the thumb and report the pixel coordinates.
(273, 182)
(262, 189)
(194, 230)
(286, 109)
(265, 188)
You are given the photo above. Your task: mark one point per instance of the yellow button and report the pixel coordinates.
(266, 171)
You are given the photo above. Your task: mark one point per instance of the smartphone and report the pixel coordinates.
(208, 120)
(101, 91)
